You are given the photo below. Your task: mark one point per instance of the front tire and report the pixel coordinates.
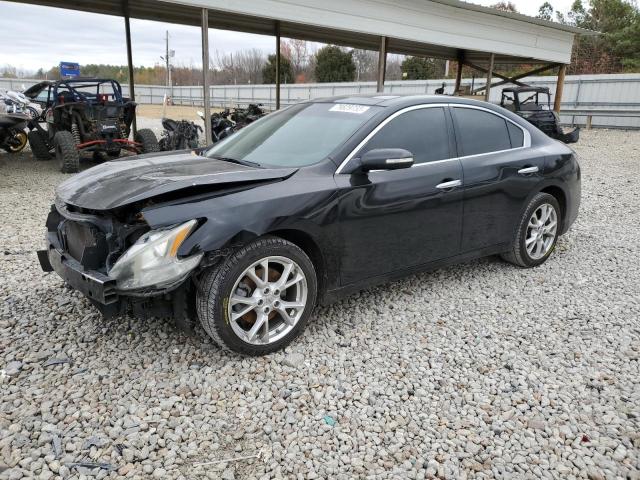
(537, 232)
(148, 140)
(66, 152)
(260, 298)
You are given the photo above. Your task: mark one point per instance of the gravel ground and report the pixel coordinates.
(479, 371)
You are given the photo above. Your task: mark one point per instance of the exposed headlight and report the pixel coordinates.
(152, 261)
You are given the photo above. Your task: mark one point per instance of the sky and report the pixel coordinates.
(33, 37)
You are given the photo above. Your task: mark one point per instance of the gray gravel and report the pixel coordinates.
(476, 371)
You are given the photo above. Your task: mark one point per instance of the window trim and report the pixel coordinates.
(526, 139)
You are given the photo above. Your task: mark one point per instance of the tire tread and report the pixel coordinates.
(38, 146)
(70, 161)
(148, 139)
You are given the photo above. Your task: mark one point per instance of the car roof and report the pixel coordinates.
(400, 101)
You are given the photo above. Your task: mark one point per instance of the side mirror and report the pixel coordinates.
(386, 159)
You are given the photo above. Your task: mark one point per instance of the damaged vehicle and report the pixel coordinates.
(534, 105)
(85, 115)
(306, 205)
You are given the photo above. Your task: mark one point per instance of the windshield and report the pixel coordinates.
(298, 136)
(533, 100)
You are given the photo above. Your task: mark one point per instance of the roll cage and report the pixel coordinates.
(526, 98)
(92, 91)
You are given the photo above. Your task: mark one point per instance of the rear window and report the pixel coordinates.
(480, 131)
(516, 135)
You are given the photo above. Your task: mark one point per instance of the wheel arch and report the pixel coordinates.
(310, 247)
(560, 195)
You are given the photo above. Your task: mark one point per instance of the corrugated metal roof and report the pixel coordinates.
(437, 28)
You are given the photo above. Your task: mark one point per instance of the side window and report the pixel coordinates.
(423, 132)
(516, 134)
(480, 131)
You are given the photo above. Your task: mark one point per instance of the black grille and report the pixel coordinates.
(85, 243)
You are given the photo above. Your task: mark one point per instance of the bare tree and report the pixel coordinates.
(366, 65)
(244, 66)
(505, 7)
(394, 67)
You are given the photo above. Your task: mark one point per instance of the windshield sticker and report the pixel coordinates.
(349, 108)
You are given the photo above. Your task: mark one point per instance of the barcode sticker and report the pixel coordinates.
(349, 108)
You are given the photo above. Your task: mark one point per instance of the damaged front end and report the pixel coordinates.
(118, 262)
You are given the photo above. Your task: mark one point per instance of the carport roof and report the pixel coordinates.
(435, 28)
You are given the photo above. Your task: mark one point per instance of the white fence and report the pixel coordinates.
(610, 100)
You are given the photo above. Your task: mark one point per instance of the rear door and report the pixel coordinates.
(500, 171)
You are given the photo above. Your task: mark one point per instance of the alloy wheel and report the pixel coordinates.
(541, 231)
(22, 138)
(267, 300)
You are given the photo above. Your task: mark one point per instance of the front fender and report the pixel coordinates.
(230, 220)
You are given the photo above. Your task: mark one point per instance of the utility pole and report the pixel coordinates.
(169, 69)
(167, 60)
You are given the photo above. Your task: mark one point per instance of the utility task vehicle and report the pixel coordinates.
(534, 105)
(85, 115)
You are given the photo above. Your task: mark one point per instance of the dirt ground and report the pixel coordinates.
(176, 112)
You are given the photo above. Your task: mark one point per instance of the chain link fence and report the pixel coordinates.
(596, 100)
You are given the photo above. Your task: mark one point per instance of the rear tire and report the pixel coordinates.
(66, 152)
(221, 286)
(537, 232)
(148, 139)
(38, 146)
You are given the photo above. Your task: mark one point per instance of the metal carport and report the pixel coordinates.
(477, 36)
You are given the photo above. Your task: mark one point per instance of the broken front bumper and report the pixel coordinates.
(94, 285)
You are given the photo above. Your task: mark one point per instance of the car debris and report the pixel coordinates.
(228, 121)
(179, 135)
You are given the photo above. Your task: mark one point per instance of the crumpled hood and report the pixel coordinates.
(125, 181)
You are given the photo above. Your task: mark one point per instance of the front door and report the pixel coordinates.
(394, 219)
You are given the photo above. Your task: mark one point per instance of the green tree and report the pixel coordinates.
(418, 68)
(269, 70)
(545, 12)
(577, 14)
(619, 23)
(333, 64)
(618, 46)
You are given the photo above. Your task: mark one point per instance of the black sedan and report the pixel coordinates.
(307, 204)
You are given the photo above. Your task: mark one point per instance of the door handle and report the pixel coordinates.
(528, 170)
(449, 184)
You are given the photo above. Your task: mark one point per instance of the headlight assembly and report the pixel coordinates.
(152, 261)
